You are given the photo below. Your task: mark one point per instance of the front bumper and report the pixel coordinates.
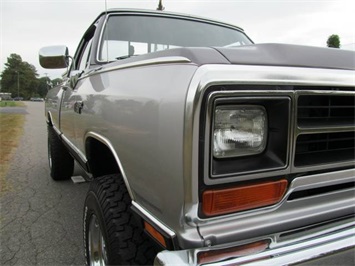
(286, 254)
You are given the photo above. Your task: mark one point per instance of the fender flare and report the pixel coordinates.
(108, 144)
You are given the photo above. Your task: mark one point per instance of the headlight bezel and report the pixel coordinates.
(222, 170)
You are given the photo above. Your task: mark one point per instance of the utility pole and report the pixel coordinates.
(46, 74)
(18, 84)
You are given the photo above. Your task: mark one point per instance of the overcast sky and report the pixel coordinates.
(28, 25)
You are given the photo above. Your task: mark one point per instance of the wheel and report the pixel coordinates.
(112, 235)
(61, 164)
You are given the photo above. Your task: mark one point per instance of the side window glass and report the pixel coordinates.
(84, 59)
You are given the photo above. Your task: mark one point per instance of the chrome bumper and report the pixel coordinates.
(282, 255)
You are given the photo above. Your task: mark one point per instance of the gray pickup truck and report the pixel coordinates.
(202, 147)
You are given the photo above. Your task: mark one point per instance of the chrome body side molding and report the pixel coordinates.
(150, 217)
(108, 144)
(148, 62)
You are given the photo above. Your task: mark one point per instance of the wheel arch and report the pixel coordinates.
(104, 160)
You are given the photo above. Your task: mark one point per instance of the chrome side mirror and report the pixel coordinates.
(54, 57)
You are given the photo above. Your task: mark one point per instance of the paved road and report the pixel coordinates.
(41, 220)
(13, 110)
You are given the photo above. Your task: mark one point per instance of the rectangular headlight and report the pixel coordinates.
(239, 130)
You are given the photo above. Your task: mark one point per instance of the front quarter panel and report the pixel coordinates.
(140, 110)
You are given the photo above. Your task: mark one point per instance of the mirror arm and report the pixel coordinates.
(73, 61)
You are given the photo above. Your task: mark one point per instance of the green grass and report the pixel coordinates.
(11, 128)
(11, 104)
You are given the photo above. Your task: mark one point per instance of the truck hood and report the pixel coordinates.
(289, 55)
(257, 54)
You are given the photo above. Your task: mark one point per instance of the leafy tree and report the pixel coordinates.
(43, 86)
(56, 81)
(333, 41)
(19, 77)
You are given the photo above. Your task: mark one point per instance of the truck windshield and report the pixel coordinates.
(130, 35)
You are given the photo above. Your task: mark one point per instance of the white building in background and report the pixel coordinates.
(5, 95)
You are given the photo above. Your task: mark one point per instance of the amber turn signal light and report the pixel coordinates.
(223, 201)
(155, 234)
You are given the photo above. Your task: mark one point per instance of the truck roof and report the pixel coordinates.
(168, 14)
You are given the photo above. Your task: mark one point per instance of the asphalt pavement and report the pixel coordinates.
(40, 219)
(13, 110)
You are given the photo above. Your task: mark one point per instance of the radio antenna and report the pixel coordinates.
(160, 6)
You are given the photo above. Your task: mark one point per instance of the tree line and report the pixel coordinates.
(22, 80)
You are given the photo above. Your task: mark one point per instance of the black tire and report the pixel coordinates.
(108, 203)
(61, 163)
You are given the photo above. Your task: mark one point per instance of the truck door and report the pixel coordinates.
(72, 100)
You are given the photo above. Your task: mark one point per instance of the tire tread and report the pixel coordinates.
(62, 162)
(127, 243)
